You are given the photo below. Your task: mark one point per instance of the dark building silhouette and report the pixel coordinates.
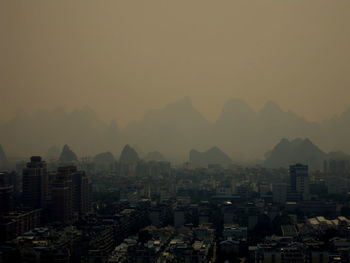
(62, 195)
(6, 193)
(35, 183)
(299, 180)
(70, 194)
(81, 193)
(336, 166)
(18, 222)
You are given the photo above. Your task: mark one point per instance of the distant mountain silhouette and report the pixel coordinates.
(81, 129)
(296, 151)
(154, 156)
(128, 155)
(67, 156)
(105, 157)
(338, 156)
(243, 132)
(240, 131)
(104, 162)
(139, 150)
(235, 127)
(175, 128)
(335, 132)
(212, 156)
(53, 153)
(3, 159)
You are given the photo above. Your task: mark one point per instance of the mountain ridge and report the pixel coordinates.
(240, 131)
(299, 150)
(213, 155)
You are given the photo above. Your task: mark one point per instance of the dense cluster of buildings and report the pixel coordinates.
(167, 244)
(138, 211)
(45, 197)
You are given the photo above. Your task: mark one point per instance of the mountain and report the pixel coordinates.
(3, 159)
(339, 155)
(212, 156)
(82, 129)
(335, 132)
(246, 133)
(139, 150)
(298, 150)
(172, 129)
(113, 137)
(128, 155)
(53, 153)
(154, 156)
(104, 162)
(275, 123)
(235, 128)
(67, 155)
(240, 131)
(105, 157)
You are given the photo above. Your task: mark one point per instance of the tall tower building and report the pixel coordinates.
(6, 193)
(299, 180)
(35, 183)
(81, 193)
(70, 194)
(62, 195)
(279, 193)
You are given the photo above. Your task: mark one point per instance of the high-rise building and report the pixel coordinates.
(179, 217)
(35, 183)
(62, 196)
(336, 166)
(70, 194)
(81, 193)
(264, 189)
(299, 180)
(18, 222)
(6, 193)
(279, 193)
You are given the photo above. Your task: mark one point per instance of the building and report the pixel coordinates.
(6, 193)
(101, 243)
(62, 196)
(70, 194)
(227, 212)
(179, 217)
(16, 223)
(264, 189)
(81, 193)
(234, 232)
(336, 166)
(35, 183)
(279, 193)
(299, 180)
(155, 217)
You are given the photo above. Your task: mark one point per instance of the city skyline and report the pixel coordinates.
(158, 131)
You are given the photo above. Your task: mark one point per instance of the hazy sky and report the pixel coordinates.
(123, 57)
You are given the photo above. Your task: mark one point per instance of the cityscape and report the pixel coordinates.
(175, 131)
(135, 210)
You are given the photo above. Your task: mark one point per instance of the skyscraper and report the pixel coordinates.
(81, 193)
(279, 193)
(62, 195)
(70, 191)
(6, 193)
(299, 180)
(35, 183)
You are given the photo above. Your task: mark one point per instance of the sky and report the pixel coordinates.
(125, 57)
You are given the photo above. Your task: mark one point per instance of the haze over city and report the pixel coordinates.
(175, 131)
(124, 58)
